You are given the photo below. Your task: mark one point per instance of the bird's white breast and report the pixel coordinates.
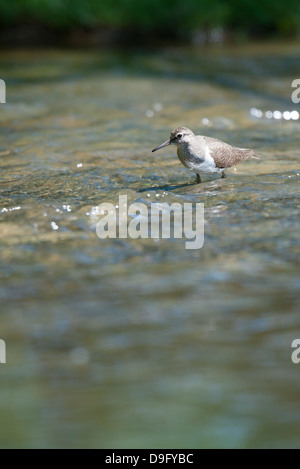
(199, 161)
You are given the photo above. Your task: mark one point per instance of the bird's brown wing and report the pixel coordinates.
(225, 155)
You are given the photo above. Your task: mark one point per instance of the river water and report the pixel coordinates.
(140, 342)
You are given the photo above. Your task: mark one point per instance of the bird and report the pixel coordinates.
(205, 155)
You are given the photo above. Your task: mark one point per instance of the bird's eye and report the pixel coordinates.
(179, 135)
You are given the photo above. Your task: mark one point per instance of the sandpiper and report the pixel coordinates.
(205, 155)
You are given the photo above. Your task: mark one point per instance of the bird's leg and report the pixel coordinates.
(223, 175)
(198, 178)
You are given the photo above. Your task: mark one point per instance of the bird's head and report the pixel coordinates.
(178, 137)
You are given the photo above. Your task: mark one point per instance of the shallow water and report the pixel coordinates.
(142, 343)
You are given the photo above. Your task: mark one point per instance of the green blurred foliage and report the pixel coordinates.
(173, 16)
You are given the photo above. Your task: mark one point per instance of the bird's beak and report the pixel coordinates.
(165, 144)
